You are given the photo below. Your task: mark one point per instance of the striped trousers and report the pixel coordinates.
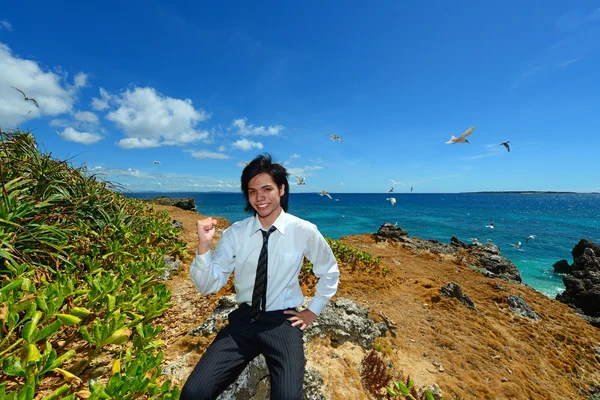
(239, 343)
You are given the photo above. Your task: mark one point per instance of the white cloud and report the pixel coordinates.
(86, 116)
(294, 156)
(81, 80)
(243, 129)
(145, 114)
(50, 90)
(72, 135)
(137, 143)
(245, 145)
(102, 103)
(60, 123)
(201, 154)
(222, 148)
(4, 24)
(301, 171)
(295, 171)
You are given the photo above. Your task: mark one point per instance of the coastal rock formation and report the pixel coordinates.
(483, 257)
(453, 290)
(488, 255)
(582, 282)
(185, 203)
(520, 307)
(341, 321)
(171, 265)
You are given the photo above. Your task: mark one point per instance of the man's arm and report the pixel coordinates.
(325, 268)
(209, 272)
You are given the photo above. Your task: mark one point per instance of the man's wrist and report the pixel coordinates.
(203, 248)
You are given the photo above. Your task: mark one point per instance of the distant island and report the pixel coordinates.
(524, 192)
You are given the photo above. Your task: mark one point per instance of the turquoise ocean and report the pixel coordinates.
(558, 221)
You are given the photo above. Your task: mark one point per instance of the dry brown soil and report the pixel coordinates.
(489, 353)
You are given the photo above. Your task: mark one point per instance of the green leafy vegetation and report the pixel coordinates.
(349, 259)
(79, 268)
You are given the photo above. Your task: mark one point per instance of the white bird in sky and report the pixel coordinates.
(300, 180)
(530, 237)
(391, 200)
(335, 137)
(394, 182)
(516, 246)
(461, 138)
(324, 193)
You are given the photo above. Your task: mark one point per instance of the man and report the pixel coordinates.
(265, 253)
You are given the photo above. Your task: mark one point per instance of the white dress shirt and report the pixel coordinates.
(238, 251)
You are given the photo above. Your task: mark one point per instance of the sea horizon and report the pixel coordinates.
(558, 221)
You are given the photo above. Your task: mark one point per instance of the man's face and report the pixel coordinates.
(264, 197)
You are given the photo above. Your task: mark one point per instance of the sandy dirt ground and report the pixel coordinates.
(487, 353)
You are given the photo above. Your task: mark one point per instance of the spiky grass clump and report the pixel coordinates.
(78, 275)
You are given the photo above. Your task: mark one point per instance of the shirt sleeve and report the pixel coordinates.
(325, 268)
(209, 272)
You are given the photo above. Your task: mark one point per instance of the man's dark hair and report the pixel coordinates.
(264, 164)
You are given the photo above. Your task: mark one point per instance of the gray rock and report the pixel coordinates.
(491, 262)
(454, 290)
(178, 369)
(226, 305)
(252, 383)
(490, 259)
(582, 283)
(177, 224)
(390, 231)
(342, 320)
(520, 307)
(171, 264)
(186, 203)
(562, 267)
(456, 242)
(345, 321)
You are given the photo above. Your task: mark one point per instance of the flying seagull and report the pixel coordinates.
(505, 144)
(491, 225)
(300, 180)
(530, 237)
(155, 162)
(335, 137)
(27, 98)
(394, 182)
(391, 200)
(516, 246)
(391, 190)
(461, 138)
(411, 189)
(324, 193)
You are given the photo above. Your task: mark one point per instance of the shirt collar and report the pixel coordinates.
(280, 223)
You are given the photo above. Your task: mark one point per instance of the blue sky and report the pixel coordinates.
(201, 87)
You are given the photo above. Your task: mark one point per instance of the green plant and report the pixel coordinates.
(77, 261)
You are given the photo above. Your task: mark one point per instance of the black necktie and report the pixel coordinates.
(259, 294)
